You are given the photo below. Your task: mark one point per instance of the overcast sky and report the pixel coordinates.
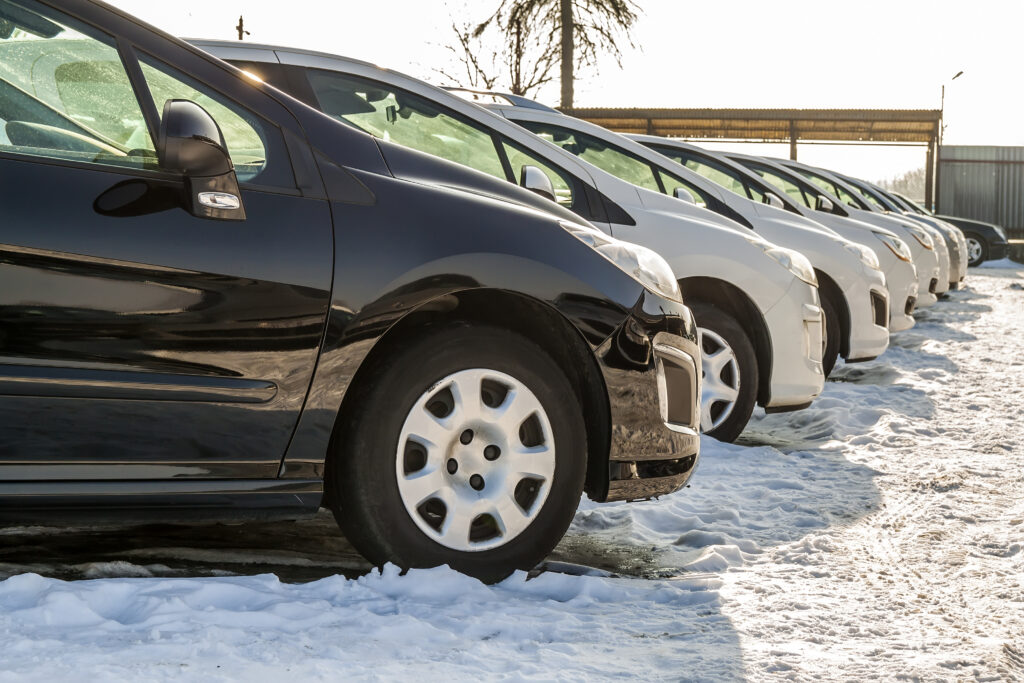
(745, 53)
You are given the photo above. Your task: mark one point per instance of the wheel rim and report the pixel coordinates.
(973, 249)
(475, 460)
(720, 387)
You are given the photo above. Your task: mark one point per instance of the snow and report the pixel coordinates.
(877, 534)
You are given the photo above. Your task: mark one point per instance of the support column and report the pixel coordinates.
(792, 140)
(929, 176)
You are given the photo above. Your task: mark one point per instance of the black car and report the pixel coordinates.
(985, 241)
(217, 303)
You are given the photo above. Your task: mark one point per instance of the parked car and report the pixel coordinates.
(985, 241)
(756, 303)
(893, 253)
(851, 288)
(946, 235)
(921, 244)
(219, 304)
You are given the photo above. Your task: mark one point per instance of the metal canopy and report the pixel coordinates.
(920, 126)
(868, 126)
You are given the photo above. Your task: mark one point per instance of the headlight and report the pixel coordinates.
(794, 262)
(867, 257)
(896, 246)
(644, 265)
(1000, 231)
(921, 236)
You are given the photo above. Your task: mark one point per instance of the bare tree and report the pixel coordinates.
(535, 35)
(526, 61)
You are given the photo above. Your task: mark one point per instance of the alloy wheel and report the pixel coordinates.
(974, 249)
(475, 460)
(720, 387)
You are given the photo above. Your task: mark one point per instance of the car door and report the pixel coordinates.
(137, 340)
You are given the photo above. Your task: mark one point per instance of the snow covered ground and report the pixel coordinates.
(877, 534)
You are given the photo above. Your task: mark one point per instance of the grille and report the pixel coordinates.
(911, 302)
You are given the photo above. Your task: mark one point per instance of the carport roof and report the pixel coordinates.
(850, 125)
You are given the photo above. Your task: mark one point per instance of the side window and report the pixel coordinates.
(249, 139)
(64, 93)
(722, 176)
(787, 186)
(519, 157)
(671, 182)
(595, 151)
(406, 119)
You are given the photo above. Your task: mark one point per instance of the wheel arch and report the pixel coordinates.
(827, 287)
(534, 319)
(734, 301)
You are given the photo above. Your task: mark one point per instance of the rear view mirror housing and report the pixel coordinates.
(823, 203)
(682, 193)
(773, 200)
(536, 180)
(191, 143)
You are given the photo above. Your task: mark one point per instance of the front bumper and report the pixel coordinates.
(998, 250)
(795, 329)
(868, 300)
(902, 280)
(651, 367)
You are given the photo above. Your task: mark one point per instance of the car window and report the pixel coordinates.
(716, 173)
(871, 198)
(794, 191)
(406, 119)
(671, 182)
(519, 157)
(65, 94)
(245, 134)
(833, 189)
(593, 150)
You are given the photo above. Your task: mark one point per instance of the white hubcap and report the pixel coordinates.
(475, 460)
(973, 249)
(721, 384)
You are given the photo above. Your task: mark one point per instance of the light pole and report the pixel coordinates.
(933, 191)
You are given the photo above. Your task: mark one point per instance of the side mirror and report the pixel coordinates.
(191, 143)
(823, 203)
(536, 180)
(773, 200)
(682, 193)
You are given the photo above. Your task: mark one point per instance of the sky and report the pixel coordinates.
(882, 54)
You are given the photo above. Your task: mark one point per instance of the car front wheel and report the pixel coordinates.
(977, 250)
(729, 370)
(468, 449)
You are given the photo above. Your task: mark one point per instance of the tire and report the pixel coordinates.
(977, 250)
(737, 371)
(830, 353)
(511, 521)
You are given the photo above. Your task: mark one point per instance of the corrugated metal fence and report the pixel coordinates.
(983, 183)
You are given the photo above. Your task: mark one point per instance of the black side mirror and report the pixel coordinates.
(191, 144)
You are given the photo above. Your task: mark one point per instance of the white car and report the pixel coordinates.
(893, 253)
(757, 303)
(921, 244)
(850, 285)
(953, 236)
(946, 248)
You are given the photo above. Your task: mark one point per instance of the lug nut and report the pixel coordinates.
(477, 482)
(452, 465)
(466, 437)
(492, 452)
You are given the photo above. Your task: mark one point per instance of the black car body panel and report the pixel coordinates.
(165, 363)
(998, 246)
